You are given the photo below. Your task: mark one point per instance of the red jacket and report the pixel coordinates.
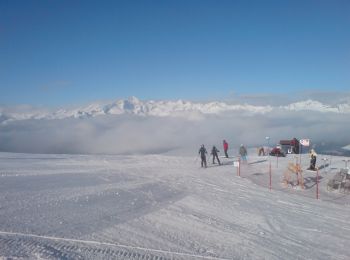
(225, 145)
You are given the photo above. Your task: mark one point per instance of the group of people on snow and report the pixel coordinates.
(203, 152)
(214, 152)
(243, 155)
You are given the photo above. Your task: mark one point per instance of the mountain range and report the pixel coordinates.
(135, 106)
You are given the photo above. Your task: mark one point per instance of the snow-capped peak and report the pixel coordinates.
(164, 108)
(316, 106)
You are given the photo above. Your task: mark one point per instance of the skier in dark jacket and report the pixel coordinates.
(215, 152)
(203, 152)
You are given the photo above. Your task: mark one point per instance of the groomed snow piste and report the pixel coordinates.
(166, 207)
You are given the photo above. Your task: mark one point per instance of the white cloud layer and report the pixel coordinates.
(129, 133)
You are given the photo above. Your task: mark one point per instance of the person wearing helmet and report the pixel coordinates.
(203, 152)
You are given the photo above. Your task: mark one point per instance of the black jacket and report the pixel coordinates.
(202, 151)
(214, 151)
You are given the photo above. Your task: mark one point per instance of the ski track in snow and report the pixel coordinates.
(165, 207)
(120, 252)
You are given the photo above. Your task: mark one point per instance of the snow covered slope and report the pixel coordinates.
(161, 207)
(164, 108)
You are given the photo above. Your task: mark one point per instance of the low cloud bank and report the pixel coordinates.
(132, 134)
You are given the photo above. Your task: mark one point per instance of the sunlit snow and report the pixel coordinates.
(167, 207)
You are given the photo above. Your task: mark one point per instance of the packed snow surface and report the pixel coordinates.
(166, 207)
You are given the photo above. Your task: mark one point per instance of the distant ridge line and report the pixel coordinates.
(135, 106)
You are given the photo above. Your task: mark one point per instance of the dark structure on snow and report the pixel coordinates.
(290, 146)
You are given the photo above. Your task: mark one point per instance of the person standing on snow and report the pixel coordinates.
(261, 151)
(225, 148)
(203, 152)
(215, 152)
(243, 153)
(313, 157)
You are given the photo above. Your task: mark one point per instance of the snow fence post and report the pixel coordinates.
(270, 186)
(239, 167)
(324, 164)
(346, 163)
(237, 164)
(317, 196)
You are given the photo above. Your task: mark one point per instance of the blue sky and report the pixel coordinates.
(68, 52)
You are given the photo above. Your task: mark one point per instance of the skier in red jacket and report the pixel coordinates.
(225, 148)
